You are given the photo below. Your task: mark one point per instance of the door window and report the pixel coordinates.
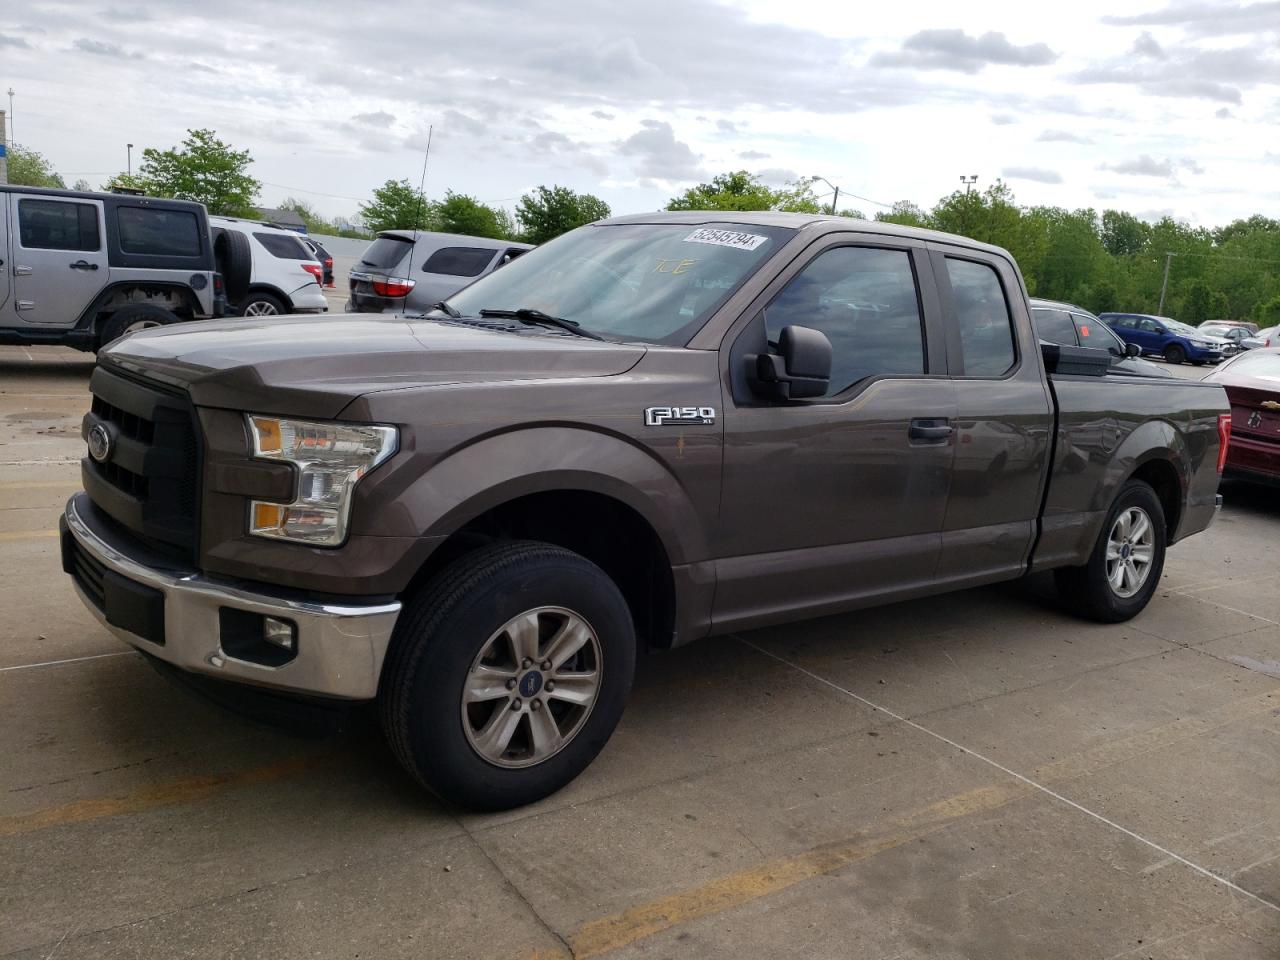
(864, 300)
(1094, 333)
(980, 312)
(1148, 326)
(57, 225)
(1054, 326)
(1124, 323)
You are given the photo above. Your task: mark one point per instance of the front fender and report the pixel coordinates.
(501, 467)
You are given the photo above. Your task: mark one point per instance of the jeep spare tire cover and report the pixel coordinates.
(235, 261)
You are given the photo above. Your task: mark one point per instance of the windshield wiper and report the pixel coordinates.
(529, 316)
(444, 305)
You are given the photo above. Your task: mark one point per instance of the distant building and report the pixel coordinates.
(284, 219)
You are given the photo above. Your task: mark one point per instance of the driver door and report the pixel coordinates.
(837, 502)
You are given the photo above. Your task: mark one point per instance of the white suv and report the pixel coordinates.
(285, 278)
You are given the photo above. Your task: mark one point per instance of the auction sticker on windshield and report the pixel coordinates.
(726, 238)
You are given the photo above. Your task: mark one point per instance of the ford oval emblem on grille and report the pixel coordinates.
(99, 443)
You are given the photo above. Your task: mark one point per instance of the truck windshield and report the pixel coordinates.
(637, 281)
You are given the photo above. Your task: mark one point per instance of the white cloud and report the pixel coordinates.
(1037, 174)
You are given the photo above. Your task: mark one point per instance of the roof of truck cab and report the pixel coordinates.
(817, 223)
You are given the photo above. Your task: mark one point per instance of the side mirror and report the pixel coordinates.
(800, 369)
(1132, 350)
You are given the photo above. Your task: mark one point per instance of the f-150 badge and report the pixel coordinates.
(665, 416)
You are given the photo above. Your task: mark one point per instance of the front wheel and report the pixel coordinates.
(1174, 354)
(1125, 567)
(507, 674)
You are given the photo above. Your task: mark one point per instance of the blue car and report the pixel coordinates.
(1162, 337)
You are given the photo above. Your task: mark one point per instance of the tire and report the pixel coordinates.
(138, 316)
(259, 304)
(1089, 590)
(472, 611)
(234, 259)
(1174, 354)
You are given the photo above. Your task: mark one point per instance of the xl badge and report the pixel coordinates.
(664, 416)
(99, 441)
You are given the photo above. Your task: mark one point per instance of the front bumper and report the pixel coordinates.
(182, 617)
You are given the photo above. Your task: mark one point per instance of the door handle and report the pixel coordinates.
(929, 430)
(21, 271)
(84, 265)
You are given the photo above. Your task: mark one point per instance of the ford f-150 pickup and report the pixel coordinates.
(650, 430)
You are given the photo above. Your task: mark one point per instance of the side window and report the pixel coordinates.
(864, 300)
(981, 313)
(174, 233)
(57, 225)
(1148, 326)
(1122, 323)
(1091, 336)
(459, 261)
(282, 246)
(1054, 326)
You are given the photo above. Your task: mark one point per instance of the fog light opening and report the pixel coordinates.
(282, 633)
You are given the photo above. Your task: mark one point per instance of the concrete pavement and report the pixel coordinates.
(979, 775)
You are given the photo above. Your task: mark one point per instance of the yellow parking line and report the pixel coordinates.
(26, 535)
(606, 934)
(187, 790)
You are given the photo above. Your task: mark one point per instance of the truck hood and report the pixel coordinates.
(314, 367)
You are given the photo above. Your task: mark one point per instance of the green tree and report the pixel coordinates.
(1269, 313)
(550, 211)
(458, 213)
(396, 205)
(205, 169)
(308, 215)
(124, 181)
(1201, 302)
(906, 213)
(1123, 234)
(27, 168)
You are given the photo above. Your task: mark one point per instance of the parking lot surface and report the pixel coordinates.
(978, 775)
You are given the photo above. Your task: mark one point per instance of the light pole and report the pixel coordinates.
(129, 146)
(10, 117)
(835, 196)
(968, 182)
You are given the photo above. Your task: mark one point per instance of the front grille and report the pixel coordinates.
(149, 482)
(88, 573)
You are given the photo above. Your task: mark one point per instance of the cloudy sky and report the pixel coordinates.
(1146, 105)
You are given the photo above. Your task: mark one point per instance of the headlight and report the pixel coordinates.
(331, 458)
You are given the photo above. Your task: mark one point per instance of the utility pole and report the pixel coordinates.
(10, 117)
(835, 196)
(4, 159)
(968, 182)
(1168, 259)
(130, 160)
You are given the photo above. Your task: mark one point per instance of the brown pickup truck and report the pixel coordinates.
(647, 431)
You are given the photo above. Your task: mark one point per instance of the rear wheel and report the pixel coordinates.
(1125, 567)
(130, 319)
(507, 674)
(262, 305)
(1174, 354)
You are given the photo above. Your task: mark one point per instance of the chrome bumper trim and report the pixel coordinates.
(340, 646)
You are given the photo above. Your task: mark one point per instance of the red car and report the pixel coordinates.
(1252, 382)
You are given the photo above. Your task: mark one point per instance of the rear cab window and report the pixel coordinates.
(145, 230)
(282, 246)
(58, 225)
(459, 261)
(981, 316)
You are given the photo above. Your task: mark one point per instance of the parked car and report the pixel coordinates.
(1269, 337)
(649, 430)
(283, 278)
(322, 257)
(1164, 337)
(1073, 326)
(1234, 333)
(80, 269)
(397, 274)
(1252, 382)
(1249, 326)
